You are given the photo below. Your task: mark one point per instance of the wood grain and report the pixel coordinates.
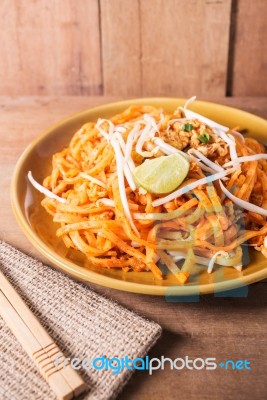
(224, 328)
(185, 47)
(121, 48)
(250, 55)
(156, 47)
(165, 47)
(50, 47)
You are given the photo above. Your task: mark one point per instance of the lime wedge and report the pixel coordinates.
(162, 174)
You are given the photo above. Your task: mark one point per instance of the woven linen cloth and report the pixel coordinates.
(82, 323)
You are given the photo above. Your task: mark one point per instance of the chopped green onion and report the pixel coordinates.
(204, 138)
(188, 127)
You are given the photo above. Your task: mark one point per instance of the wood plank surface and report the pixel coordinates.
(121, 47)
(165, 47)
(50, 47)
(185, 47)
(225, 328)
(249, 73)
(157, 47)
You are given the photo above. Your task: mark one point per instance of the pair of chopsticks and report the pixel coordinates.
(63, 380)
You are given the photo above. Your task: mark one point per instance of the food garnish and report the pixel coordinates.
(163, 174)
(204, 137)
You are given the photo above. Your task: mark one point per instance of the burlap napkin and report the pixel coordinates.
(83, 324)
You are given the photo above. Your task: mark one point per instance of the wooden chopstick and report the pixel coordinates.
(63, 380)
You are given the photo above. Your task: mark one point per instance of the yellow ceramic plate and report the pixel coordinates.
(40, 230)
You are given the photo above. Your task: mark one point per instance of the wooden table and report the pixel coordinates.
(225, 328)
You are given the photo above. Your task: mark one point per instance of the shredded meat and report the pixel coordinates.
(177, 137)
